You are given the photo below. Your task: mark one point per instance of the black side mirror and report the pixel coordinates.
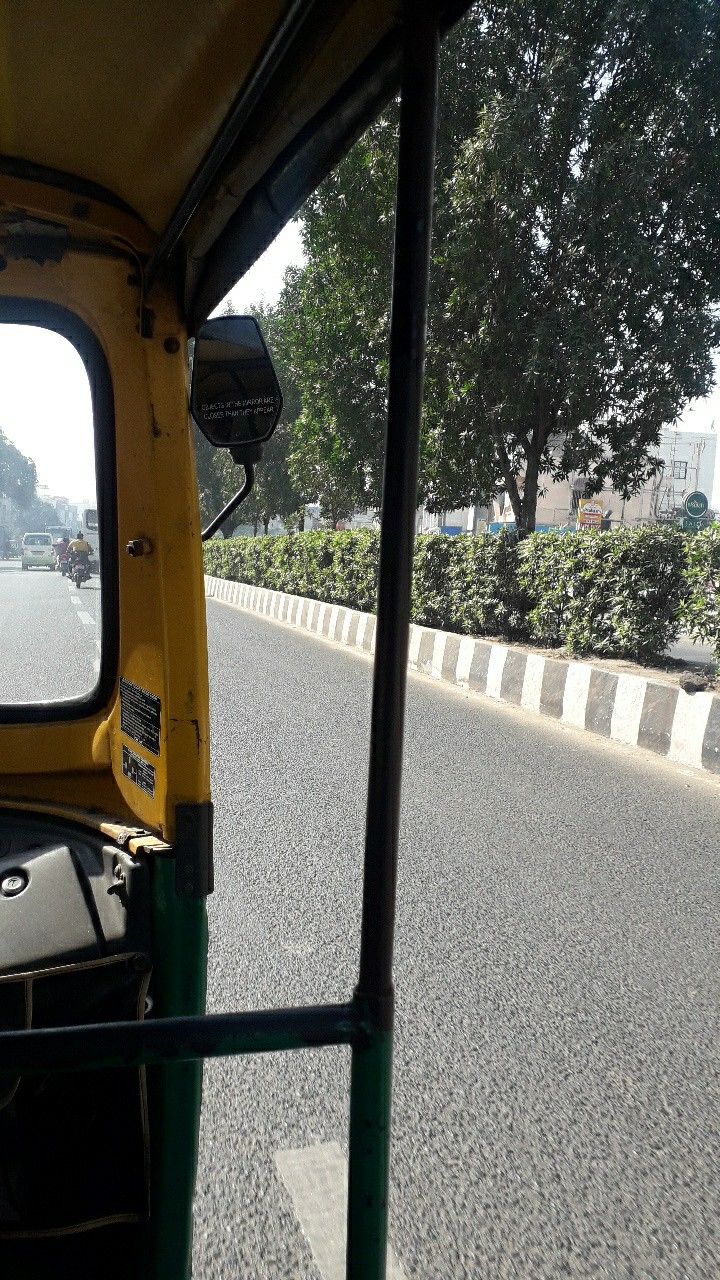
(235, 396)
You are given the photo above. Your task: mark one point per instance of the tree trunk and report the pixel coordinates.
(266, 524)
(516, 501)
(255, 528)
(301, 521)
(528, 505)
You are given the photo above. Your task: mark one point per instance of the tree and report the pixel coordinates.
(18, 477)
(334, 315)
(577, 257)
(583, 270)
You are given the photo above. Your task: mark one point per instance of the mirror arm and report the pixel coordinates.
(233, 504)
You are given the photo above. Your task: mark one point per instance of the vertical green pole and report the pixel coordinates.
(371, 1069)
(370, 1101)
(179, 980)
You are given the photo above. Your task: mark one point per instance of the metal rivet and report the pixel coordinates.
(13, 884)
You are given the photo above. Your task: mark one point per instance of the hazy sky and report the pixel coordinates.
(45, 409)
(45, 396)
(262, 283)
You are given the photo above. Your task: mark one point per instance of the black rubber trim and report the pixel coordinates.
(294, 175)
(298, 171)
(48, 315)
(16, 167)
(193, 846)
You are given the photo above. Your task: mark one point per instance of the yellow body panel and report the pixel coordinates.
(161, 603)
(128, 96)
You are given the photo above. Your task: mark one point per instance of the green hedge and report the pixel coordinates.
(625, 593)
(338, 567)
(700, 614)
(617, 593)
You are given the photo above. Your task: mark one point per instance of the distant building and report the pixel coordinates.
(687, 463)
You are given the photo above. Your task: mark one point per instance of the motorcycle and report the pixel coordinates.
(80, 570)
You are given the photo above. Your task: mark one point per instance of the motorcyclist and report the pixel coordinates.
(79, 550)
(61, 549)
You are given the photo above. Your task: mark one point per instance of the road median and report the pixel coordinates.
(639, 711)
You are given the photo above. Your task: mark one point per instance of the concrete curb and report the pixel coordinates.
(636, 710)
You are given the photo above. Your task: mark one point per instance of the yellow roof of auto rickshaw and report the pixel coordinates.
(187, 113)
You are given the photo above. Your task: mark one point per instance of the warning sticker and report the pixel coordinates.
(140, 716)
(138, 771)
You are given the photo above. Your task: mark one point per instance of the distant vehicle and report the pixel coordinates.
(91, 533)
(58, 531)
(37, 551)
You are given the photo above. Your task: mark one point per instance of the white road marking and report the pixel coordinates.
(496, 666)
(532, 682)
(627, 709)
(316, 1181)
(466, 653)
(360, 633)
(438, 654)
(577, 686)
(86, 618)
(688, 727)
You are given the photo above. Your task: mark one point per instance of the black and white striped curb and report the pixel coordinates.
(638, 711)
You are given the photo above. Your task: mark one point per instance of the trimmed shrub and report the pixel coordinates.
(468, 583)
(492, 600)
(700, 613)
(617, 593)
(340, 568)
(434, 590)
(622, 593)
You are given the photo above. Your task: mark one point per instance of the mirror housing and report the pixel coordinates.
(235, 397)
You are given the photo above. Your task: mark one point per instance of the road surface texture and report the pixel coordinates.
(556, 1070)
(49, 634)
(695, 651)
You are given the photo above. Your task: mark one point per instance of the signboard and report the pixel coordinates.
(696, 504)
(590, 513)
(691, 525)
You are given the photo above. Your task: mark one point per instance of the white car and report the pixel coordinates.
(37, 551)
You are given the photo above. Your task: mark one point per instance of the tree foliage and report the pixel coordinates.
(576, 262)
(18, 477)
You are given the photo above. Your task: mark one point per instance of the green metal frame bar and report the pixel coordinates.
(371, 1066)
(100, 1046)
(175, 1045)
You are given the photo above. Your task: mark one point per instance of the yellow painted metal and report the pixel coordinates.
(131, 96)
(82, 217)
(162, 607)
(126, 95)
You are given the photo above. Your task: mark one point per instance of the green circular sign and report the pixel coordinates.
(696, 504)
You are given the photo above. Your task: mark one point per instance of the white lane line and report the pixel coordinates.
(316, 1181)
(86, 618)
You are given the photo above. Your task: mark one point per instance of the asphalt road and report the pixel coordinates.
(696, 651)
(49, 634)
(556, 1086)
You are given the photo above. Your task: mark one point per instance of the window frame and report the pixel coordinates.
(40, 314)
